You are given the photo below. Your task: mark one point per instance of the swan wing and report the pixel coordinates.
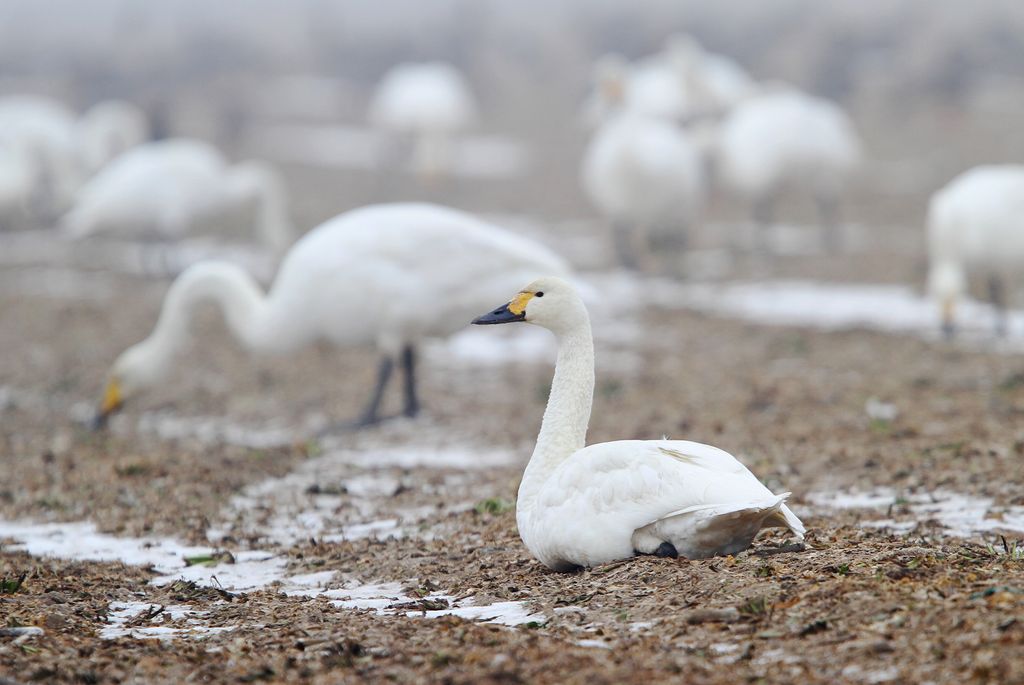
(590, 506)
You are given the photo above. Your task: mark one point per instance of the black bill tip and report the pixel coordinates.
(98, 422)
(500, 315)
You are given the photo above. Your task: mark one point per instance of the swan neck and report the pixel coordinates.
(563, 430)
(240, 300)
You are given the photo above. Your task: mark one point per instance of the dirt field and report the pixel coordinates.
(420, 511)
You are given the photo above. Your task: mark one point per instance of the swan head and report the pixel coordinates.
(609, 77)
(135, 370)
(550, 302)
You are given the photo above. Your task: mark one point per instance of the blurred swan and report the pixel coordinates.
(650, 87)
(587, 505)
(387, 275)
(976, 225)
(107, 130)
(162, 189)
(646, 177)
(787, 138)
(715, 83)
(45, 131)
(429, 103)
(19, 181)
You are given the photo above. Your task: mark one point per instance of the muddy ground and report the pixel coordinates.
(855, 604)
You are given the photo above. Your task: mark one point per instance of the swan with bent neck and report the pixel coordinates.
(581, 506)
(385, 275)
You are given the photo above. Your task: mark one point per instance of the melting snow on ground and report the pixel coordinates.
(961, 515)
(838, 306)
(252, 570)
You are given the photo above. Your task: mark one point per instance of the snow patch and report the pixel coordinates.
(959, 514)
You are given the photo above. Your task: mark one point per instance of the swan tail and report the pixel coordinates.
(785, 518)
(716, 529)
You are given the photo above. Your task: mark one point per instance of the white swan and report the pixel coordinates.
(787, 138)
(386, 275)
(429, 103)
(714, 82)
(588, 505)
(45, 130)
(19, 182)
(650, 87)
(976, 224)
(164, 188)
(646, 177)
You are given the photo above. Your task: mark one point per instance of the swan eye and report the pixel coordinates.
(539, 294)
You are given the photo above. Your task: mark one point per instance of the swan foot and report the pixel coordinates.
(667, 550)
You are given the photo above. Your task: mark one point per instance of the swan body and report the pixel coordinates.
(645, 175)
(588, 505)
(45, 130)
(429, 103)
(162, 189)
(19, 181)
(786, 137)
(976, 224)
(385, 275)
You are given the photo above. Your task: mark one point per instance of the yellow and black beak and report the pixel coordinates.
(112, 401)
(513, 311)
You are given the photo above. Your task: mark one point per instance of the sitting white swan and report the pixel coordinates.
(385, 275)
(975, 225)
(583, 506)
(162, 189)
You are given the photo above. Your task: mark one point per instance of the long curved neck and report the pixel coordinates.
(245, 308)
(564, 428)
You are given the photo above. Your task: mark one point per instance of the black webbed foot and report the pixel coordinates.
(667, 549)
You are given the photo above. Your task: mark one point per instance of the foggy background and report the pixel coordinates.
(932, 87)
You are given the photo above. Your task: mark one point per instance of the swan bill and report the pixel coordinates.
(503, 314)
(112, 401)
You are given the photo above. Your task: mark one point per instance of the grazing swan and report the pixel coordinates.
(583, 506)
(387, 275)
(645, 175)
(429, 103)
(161, 189)
(788, 138)
(976, 224)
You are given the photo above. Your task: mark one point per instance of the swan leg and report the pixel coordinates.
(371, 414)
(622, 240)
(412, 403)
(997, 296)
(828, 211)
(764, 219)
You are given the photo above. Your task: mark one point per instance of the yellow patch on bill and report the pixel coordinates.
(111, 397)
(518, 304)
